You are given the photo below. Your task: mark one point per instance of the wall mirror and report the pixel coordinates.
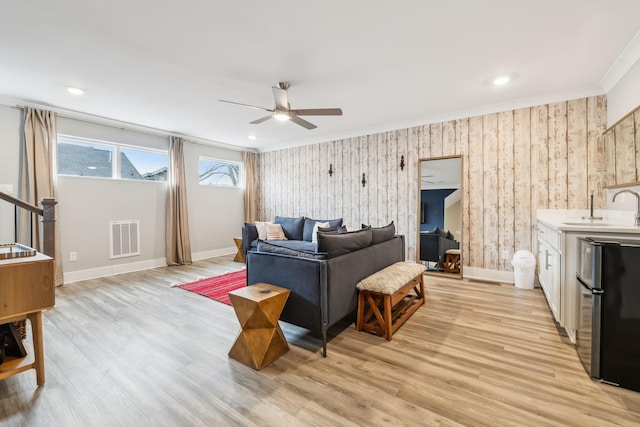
(621, 143)
(439, 245)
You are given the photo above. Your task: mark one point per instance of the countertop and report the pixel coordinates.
(571, 220)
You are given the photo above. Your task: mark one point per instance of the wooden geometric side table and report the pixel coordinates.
(261, 340)
(239, 255)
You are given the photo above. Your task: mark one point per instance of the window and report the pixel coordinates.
(143, 164)
(85, 157)
(218, 172)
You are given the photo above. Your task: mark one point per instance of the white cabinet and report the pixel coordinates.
(550, 267)
(557, 262)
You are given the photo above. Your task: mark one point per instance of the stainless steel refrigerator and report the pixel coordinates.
(608, 333)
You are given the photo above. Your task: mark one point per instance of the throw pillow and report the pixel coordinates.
(261, 226)
(292, 227)
(439, 232)
(332, 230)
(382, 234)
(343, 243)
(314, 234)
(267, 247)
(275, 232)
(309, 223)
(450, 236)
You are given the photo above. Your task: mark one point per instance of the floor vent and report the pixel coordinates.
(124, 238)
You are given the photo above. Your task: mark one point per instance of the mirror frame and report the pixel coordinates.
(462, 254)
(610, 133)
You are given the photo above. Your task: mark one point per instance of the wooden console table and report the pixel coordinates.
(26, 289)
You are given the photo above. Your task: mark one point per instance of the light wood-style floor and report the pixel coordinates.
(129, 350)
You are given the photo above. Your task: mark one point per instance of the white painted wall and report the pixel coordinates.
(10, 130)
(624, 96)
(86, 205)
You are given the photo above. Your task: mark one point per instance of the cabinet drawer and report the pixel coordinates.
(550, 235)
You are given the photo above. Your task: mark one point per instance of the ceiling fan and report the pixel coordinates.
(282, 110)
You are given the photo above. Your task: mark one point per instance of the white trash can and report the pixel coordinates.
(524, 269)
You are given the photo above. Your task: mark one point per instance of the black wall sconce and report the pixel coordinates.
(364, 181)
(401, 163)
(330, 169)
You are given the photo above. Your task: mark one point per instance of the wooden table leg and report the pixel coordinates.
(38, 345)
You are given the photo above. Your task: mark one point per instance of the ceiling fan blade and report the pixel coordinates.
(246, 105)
(318, 112)
(263, 119)
(280, 96)
(302, 122)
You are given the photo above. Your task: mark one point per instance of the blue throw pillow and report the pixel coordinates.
(309, 223)
(292, 227)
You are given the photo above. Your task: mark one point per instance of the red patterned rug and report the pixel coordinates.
(218, 287)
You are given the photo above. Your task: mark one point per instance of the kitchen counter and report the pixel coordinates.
(559, 232)
(571, 220)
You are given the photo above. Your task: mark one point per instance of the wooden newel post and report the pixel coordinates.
(48, 226)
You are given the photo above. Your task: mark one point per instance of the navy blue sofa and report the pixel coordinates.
(323, 291)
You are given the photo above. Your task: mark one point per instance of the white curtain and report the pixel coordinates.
(177, 232)
(38, 178)
(250, 190)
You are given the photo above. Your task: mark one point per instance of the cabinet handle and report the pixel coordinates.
(546, 260)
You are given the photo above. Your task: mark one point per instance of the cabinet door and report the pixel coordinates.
(542, 265)
(553, 281)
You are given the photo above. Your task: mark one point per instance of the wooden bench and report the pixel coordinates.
(388, 296)
(452, 261)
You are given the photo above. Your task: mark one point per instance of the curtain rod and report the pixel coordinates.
(101, 120)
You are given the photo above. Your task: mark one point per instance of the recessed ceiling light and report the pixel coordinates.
(502, 80)
(252, 137)
(75, 90)
(92, 167)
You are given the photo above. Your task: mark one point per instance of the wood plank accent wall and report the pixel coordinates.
(548, 156)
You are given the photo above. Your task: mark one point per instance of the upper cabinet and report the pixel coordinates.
(622, 151)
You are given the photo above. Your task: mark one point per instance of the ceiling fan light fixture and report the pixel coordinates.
(283, 116)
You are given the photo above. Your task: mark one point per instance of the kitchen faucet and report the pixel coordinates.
(637, 196)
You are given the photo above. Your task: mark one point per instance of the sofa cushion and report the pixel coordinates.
(261, 226)
(309, 223)
(275, 232)
(382, 234)
(316, 226)
(343, 243)
(332, 230)
(263, 246)
(298, 245)
(437, 232)
(292, 226)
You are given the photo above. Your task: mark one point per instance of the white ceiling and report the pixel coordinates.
(388, 64)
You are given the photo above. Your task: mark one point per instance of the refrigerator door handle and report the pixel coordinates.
(596, 333)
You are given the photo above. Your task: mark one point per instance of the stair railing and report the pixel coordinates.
(48, 215)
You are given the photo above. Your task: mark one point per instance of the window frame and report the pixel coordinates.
(116, 152)
(241, 180)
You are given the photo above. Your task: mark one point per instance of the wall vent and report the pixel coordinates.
(124, 238)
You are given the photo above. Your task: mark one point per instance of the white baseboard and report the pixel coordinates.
(492, 275)
(488, 275)
(214, 253)
(94, 273)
